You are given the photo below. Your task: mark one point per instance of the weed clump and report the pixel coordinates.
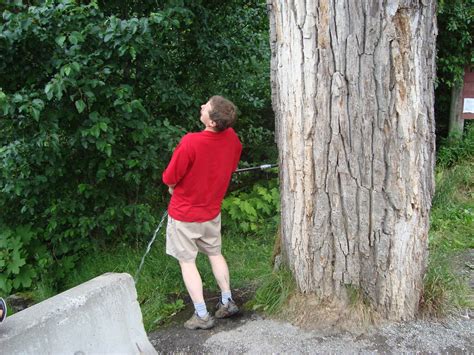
(274, 292)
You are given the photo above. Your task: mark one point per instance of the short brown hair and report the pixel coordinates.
(223, 112)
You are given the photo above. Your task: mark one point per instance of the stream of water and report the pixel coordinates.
(149, 246)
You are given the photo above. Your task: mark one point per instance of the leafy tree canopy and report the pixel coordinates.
(455, 52)
(456, 30)
(93, 98)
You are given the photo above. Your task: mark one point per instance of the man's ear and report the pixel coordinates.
(212, 123)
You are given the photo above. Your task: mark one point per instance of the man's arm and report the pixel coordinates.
(237, 156)
(177, 167)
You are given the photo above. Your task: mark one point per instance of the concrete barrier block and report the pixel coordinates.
(101, 316)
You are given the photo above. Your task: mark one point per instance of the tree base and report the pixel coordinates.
(330, 317)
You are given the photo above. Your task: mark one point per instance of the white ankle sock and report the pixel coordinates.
(226, 295)
(201, 309)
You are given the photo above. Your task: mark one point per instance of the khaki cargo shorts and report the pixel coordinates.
(185, 239)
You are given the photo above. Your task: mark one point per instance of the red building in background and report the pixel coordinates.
(462, 102)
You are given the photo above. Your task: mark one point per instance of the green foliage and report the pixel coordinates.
(274, 292)
(455, 50)
(451, 232)
(452, 215)
(249, 212)
(456, 148)
(22, 258)
(93, 99)
(78, 149)
(444, 290)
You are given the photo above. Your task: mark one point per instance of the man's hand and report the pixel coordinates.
(171, 189)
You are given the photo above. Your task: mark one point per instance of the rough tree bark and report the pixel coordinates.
(352, 90)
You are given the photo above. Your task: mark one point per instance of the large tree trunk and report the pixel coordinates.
(352, 90)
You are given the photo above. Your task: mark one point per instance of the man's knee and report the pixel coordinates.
(215, 256)
(187, 263)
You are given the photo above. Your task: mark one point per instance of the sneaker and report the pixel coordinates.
(196, 322)
(226, 310)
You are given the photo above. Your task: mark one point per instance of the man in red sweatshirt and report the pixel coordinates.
(198, 176)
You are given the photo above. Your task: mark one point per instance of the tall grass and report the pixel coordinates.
(274, 291)
(457, 147)
(452, 227)
(161, 291)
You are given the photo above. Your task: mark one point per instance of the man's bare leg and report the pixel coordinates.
(220, 271)
(193, 282)
(226, 307)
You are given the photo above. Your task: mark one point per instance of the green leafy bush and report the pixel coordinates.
(94, 99)
(80, 153)
(253, 211)
(22, 258)
(454, 52)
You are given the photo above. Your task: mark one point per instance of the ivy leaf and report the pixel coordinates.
(60, 41)
(107, 37)
(75, 37)
(5, 284)
(35, 113)
(108, 150)
(48, 90)
(24, 278)
(80, 105)
(5, 107)
(95, 130)
(103, 126)
(16, 262)
(4, 236)
(76, 66)
(38, 103)
(25, 233)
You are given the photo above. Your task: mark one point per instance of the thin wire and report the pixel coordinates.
(260, 167)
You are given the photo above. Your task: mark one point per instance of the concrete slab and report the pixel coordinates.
(98, 316)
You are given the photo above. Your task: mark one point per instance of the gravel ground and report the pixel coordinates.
(268, 336)
(251, 334)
